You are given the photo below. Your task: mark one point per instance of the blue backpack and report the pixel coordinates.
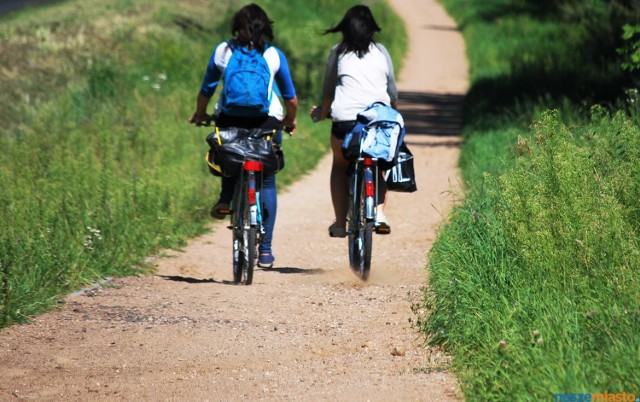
(246, 84)
(378, 133)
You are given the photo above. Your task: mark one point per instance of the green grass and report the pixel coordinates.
(99, 168)
(534, 283)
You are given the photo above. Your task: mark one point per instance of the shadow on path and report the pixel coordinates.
(292, 270)
(281, 270)
(436, 114)
(176, 278)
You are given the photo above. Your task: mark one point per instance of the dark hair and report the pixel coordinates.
(358, 28)
(251, 27)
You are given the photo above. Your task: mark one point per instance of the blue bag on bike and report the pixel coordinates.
(378, 133)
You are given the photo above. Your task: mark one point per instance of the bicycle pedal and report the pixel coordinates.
(224, 211)
(382, 229)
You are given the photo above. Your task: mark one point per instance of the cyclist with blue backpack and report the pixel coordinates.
(254, 75)
(359, 73)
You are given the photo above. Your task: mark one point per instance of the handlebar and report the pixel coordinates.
(211, 120)
(206, 122)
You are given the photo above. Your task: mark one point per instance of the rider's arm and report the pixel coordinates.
(291, 110)
(328, 86)
(210, 82)
(201, 107)
(392, 88)
(287, 91)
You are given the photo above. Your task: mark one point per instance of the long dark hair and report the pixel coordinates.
(358, 28)
(251, 28)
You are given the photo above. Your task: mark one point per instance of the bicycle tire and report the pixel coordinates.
(360, 231)
(250, 255)
(245, 234)
(238, 257)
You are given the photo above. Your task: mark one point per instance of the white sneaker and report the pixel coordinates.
(381, 225)
(380, 217)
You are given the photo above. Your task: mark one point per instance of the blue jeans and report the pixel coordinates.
(269, 201)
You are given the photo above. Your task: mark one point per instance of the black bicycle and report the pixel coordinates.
(248, 154)
(361, 214)
(245, 154)
(246, 221)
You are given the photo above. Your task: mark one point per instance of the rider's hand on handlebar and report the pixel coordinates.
(201, 119)
(314, 113)
(289, 125)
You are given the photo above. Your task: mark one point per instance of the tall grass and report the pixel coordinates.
(534, 283)
(98, 166)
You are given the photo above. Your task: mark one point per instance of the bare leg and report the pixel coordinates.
(338, 183)
(383, 196)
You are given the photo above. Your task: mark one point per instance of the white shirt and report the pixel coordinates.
(358, 82)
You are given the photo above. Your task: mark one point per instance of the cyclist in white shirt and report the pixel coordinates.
(359, 72)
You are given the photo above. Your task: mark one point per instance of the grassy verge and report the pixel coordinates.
(534, 283)
(98, 166)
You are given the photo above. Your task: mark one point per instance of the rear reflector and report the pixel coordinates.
(253, 166)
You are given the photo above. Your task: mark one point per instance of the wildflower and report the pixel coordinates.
(93, 235)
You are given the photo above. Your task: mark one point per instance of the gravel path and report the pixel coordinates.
(307, 329)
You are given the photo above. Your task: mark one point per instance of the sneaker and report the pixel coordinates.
(265, 260)
(335, 231)
(220, 210)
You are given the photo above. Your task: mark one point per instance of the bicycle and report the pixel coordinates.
(361, 214)
(246, 221)
(246, 208)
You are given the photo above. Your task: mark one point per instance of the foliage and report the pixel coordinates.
(534, 282)
(534, 285)
(631, 48)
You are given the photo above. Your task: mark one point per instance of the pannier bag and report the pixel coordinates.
(401, 176)
(231, 147)
(378, 133)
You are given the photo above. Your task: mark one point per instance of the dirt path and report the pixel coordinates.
(307, 329)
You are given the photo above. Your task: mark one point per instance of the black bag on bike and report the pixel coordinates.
(401, 176)
(231, 147)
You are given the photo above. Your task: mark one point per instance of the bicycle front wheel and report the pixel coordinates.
(244, 235)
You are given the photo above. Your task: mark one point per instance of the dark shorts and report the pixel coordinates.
(340, 128)
(224, 120)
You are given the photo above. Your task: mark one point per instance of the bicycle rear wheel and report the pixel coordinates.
(244, 236)
(360, 231)
(249, 254)
(244, 254)
(238, 256)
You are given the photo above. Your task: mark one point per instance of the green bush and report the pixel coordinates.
(533, 284)
(548, 250)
